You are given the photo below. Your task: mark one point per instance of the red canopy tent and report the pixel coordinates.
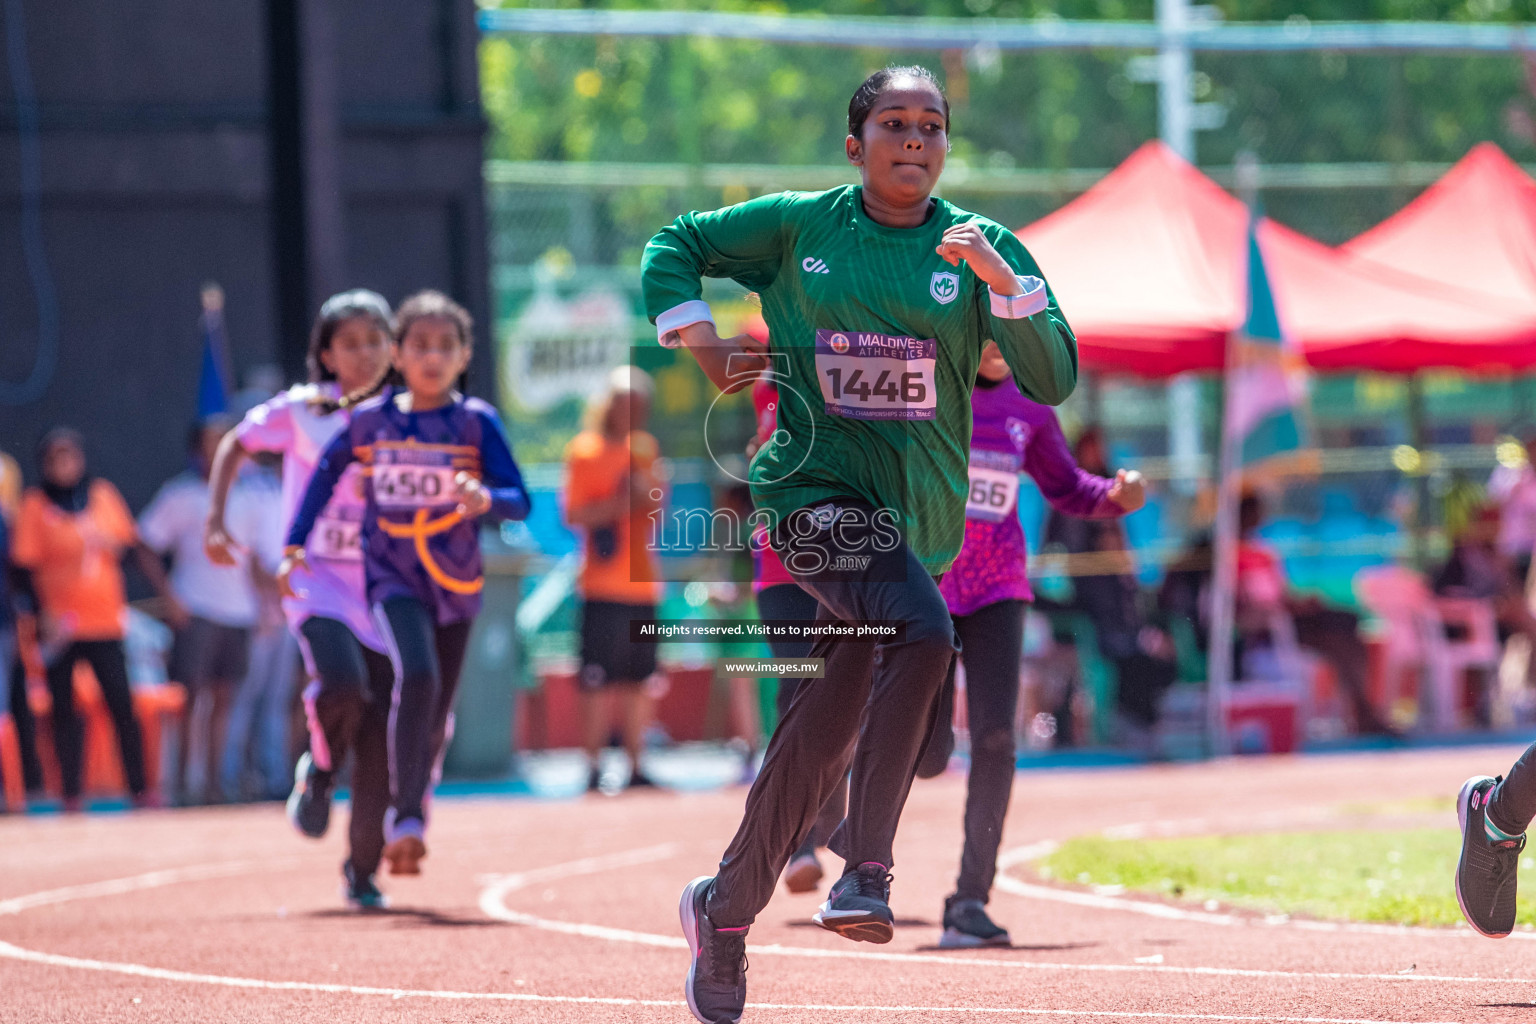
(1149, 268)
(1474, 230)
(1144, 266)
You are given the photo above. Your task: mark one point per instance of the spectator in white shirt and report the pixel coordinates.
(212, 649)
(257, 741)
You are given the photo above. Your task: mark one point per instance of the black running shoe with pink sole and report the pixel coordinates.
(1485, 875)
(717, 976)
(858, 907)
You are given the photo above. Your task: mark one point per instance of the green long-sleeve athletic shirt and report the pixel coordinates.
(876, 343)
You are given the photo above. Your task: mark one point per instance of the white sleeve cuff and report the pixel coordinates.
(1017, 307)
(695, 311)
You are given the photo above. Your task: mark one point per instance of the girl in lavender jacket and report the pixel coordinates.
(986, 591)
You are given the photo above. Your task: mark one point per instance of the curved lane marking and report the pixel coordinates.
(506, 884)
(493, 905)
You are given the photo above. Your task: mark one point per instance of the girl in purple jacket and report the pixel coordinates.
(986, 591)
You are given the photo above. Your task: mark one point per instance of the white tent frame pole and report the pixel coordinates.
(1019, 34)
(1223, 573)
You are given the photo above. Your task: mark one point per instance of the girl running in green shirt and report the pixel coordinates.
(879, 298)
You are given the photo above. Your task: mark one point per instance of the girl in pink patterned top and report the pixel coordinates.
(347, 697)
(986, 591)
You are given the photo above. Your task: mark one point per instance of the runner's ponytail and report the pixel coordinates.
(351, 400)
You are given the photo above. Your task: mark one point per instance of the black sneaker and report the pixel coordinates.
(1485, 875)
(717, 977)
(361, 893)
(966, 926)
(857, 908)
(309, 805)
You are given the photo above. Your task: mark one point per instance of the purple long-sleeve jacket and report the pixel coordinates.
(1010, 434)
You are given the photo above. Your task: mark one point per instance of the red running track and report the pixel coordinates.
(566, 911)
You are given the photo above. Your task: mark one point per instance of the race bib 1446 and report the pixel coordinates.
(876, 376)
(994, 486)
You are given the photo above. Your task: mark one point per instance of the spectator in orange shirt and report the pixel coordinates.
(611, 487)
(70, 535)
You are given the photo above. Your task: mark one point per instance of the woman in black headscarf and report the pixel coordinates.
(71, 533)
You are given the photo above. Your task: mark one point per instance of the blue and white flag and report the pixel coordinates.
(1265, 384)
(213, 380)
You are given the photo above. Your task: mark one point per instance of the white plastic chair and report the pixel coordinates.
(1415, 637)
(1449, 659)
(1398, 598)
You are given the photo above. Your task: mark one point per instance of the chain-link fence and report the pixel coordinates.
(599, 140)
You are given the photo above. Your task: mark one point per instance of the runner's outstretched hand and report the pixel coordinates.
(1129, 490)
(218, 545)
(474, 499)
(292, 559)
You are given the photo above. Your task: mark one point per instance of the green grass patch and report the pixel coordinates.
(1394, 877)
(1445, 805)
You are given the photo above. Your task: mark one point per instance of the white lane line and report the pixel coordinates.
(583, 866)
(1027, 890)
(493, 904)
(1131, 904)
(161, 974)
(506, 884)
(133, 883)
(1115, 1014)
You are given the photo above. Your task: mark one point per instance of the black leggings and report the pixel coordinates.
(876, 705)
(1513, 804)
(991, 639)
(21, 716)
(427, 660)
(111, 667)
(347, 706)
(788, 601)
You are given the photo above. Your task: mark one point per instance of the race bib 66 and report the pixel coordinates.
(876, 376)
(994, 486)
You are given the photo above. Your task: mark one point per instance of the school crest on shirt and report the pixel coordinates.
(825, 515)
(1018, 432)
(944, 286)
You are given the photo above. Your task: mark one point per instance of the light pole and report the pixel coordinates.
(1176, 127)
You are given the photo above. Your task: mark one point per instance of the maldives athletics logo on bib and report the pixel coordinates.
(944, 286)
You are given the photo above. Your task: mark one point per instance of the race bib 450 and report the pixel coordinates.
(412, 478)
(876, 376)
